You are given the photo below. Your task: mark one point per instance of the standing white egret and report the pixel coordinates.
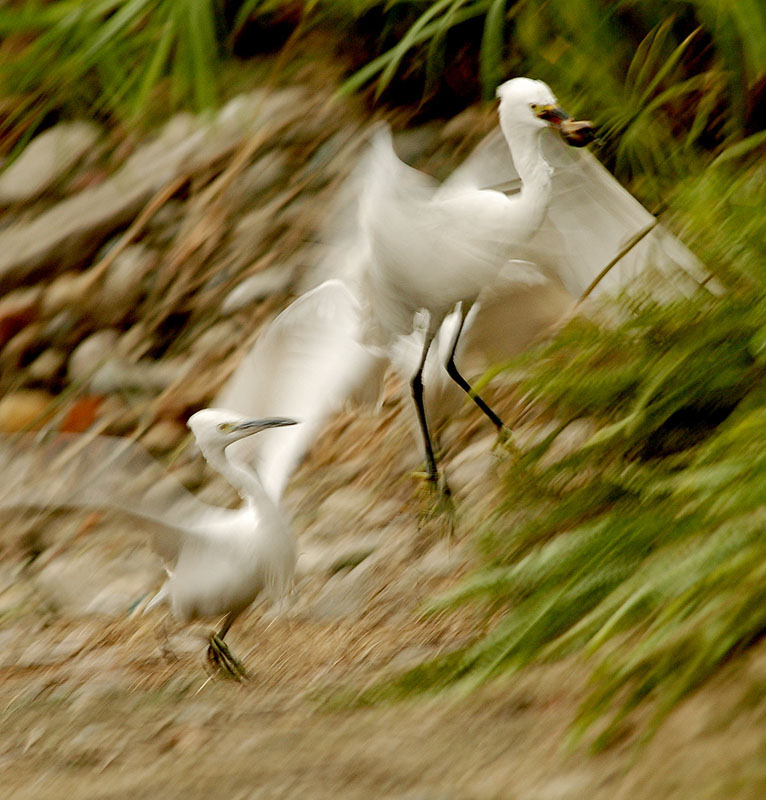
(520, 231)
(429, 248)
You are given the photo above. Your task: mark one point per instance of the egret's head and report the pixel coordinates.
(528, 103)
(217, 428)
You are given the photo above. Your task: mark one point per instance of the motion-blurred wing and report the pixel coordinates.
(488, 166)
(105, 472)
(591, 220)
(378, 173)
(306, 364)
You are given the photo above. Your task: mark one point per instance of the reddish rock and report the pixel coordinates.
(81, 414)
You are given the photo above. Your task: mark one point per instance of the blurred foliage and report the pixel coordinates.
(661, 78)
(718, 212)
(102, 58)
(642, 543)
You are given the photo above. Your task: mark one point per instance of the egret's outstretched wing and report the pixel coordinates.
(78, 471)
(345, 243)
(401, 245)
(305, 364)
(590, 221)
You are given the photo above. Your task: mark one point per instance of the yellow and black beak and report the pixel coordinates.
(577, 133)
(254, 425)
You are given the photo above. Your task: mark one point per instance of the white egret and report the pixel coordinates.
(519, 232)
(218, 560)
(430, 247)
(220, 567)
(307, 360)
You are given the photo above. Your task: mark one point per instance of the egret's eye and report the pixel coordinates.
(225, 427)
(534, 106)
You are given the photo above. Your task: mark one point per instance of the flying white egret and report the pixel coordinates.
(431, 247)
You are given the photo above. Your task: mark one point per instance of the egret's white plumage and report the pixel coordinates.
(424, 247)
(590, 219)
(520, 231)
(431, 246)
(218, 560)
(306, 363)
(222, 563)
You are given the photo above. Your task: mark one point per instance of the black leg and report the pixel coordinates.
(417, 396)
(226, 625)
(463, 383)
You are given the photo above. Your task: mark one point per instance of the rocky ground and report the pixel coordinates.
(135, 275)
(98, 702)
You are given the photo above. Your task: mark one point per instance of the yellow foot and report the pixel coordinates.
(221, 660)
(436, 501)
(505, 440)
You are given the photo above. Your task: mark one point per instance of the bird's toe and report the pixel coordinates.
(505, 439)
(437, 503)
(222, 660)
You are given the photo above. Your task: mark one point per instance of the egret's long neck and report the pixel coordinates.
(535, 173)
(243, 478)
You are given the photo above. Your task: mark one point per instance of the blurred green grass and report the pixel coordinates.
(663, 79)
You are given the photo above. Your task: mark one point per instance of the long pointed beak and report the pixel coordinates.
(553, 115)
(577, 133)
(255, 425)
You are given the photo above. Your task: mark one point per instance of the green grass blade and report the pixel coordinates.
(491, 52)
